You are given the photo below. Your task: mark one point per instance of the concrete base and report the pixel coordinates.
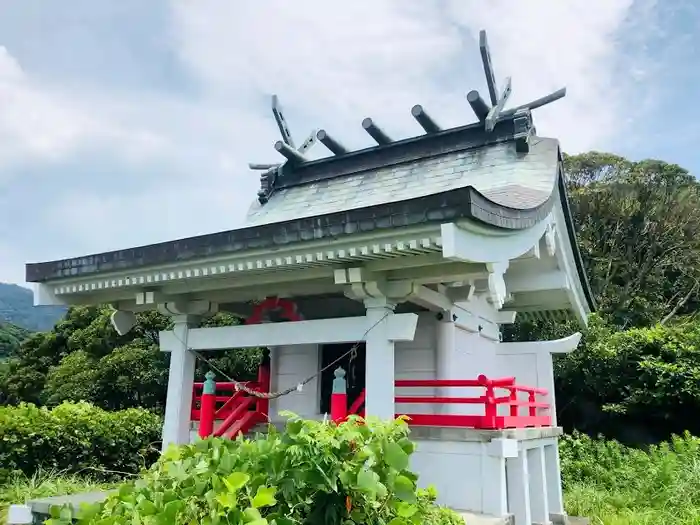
(471, 518)
(38, 510)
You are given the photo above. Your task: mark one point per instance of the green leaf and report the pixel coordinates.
(251, 514)
(395, 456)
(405, 510)
(405, 489)
(367, 481)
(264, 497)
(172, 508)
(147, 508)
(227, 500)
(236, 481)
(283, 521)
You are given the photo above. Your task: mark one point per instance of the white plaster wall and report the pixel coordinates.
(416, 360)
(473, 353)
(455, 469)
(290, 365)
(531, 369)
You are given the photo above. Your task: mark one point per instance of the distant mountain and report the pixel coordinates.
(17, 307)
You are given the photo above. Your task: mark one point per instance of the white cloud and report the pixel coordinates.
(332, 66)
(378, 58)
(39, 123)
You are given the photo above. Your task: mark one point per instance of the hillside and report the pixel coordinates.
(17, 307)
(10, 338)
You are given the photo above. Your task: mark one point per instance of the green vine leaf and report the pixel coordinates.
(236, 481)
(395, 456)
(264, 497)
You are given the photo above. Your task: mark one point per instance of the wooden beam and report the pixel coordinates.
(488, 67)
(538, 282)
(439, 273)
(400, 327)
(430, 299)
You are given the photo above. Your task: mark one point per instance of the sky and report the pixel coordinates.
(131, 122)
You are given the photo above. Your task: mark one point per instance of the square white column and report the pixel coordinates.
(178, 404)
(519, 489)
(539, 505)
(380, 372)
(553, 473)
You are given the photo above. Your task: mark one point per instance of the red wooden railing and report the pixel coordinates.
(537, 412)
(234, 410)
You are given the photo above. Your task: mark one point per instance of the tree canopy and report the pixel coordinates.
(638, 225)
(84, 359)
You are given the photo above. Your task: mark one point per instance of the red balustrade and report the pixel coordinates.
(537, 412)
(236, 411)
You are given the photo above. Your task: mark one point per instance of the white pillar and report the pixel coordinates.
(380, 371)
(537, 479)
(553, 473)
(519, 489)
(494, 484)
(178, 404)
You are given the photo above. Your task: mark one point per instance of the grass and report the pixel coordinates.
(603, 480)
(616, 485)
(42, 485)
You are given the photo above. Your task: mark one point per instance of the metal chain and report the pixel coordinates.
(274, 395)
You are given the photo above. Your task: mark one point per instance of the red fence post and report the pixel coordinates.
(207, 407)
(513, 402)
(490, 407)
(339, 397)
(532, 398)
(263, 405)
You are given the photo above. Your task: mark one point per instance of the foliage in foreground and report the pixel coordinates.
(76, 438)
(313, 473)
(618, 485)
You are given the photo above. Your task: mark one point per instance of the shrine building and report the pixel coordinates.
(385, 275)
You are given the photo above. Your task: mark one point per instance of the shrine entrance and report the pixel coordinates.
(354, 365)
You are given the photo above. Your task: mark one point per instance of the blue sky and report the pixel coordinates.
(131, 122)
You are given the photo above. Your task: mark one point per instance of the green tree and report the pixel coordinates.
(638, 226)
(83, 358)
(11, 336)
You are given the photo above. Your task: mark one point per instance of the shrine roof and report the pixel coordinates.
(511, 185)
(496, 171)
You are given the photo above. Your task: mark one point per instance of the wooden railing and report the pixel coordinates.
(235, 410)
(536, 413)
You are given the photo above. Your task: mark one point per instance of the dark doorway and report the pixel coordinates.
(354, 368)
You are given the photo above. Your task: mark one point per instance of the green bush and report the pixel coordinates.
(315, 473)
(77, 438)
(639, 386)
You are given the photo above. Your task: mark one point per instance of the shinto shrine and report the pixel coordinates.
(378, 282)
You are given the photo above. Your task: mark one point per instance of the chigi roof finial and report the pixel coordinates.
(488, 113)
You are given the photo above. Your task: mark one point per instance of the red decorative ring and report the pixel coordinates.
(287, 307)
